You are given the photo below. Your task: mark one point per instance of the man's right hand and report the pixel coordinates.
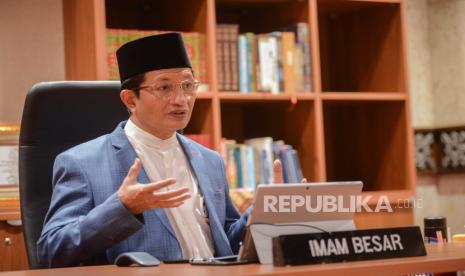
(138, 197)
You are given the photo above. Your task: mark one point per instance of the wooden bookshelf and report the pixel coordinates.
(366, 96)
(257, 96)
(355, 124)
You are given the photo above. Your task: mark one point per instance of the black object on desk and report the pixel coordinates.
(137, 258)
(342, 246)
(225, 260)
(432, 226)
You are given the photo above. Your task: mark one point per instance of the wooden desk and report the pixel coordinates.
(441, 258)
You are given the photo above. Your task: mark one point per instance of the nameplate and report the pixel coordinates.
(358, 245)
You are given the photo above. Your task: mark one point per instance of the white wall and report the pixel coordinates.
(436, 40)
(447, 40)
(418, 46)
(436, 45)
(31, 50)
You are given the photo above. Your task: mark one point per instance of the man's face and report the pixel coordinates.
(156, 111)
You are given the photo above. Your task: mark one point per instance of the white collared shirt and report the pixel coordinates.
(163, 159)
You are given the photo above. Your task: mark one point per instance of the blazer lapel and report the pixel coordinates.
(125, 156)
(199, 169)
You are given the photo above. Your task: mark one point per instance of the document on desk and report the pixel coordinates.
(263, 233)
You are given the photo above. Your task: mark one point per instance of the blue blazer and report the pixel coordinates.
(87, 224)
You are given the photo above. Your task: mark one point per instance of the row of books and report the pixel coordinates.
(194, 42)
(276, 62)
(251, 163)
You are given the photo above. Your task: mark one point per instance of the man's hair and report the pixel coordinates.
(133, 83)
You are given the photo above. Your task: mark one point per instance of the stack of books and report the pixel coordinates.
(277, 62)
(251, 163)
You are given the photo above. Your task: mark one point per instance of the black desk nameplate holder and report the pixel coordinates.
(357, 245)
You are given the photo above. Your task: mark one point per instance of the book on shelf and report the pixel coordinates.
(275, 55)
(288, 59)
(242, 64)
(227, 56)
(244, 157)
(194, 42)
(226, 52)
(276, 62)
(234, 67)
(268, 64)
(264, 150)
(203, 73)
(251, 61)
(227, 152)
(303, 51)
(220, 57)
(251, 163)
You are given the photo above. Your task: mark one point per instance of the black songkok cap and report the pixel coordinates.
(150, 53)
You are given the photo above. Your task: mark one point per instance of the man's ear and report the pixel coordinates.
(128, 97)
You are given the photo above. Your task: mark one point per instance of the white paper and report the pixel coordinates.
(8, 165)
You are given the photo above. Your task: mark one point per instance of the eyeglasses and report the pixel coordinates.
(165, 89)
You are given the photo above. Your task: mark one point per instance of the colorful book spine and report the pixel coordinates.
(299, 69)
(251, 62)
(112, 45)
(303, 41)
(234, 32)
(284, 162)
(244, 166)
(240, 172)
(268, 63)
(288, 66)
(227, 58)
(219, 56)
(243, 73)
(290, 165)
(196, 54)
(258, 71)
(203, 76)
(189, 44)
(279, 63)
(264, 146)
(193, 48)
(250, 167)
(274, 58)
(297, 167)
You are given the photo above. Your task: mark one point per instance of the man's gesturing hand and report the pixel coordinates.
(138, 197)
(278, 172)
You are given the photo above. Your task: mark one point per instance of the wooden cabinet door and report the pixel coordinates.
(12, 248)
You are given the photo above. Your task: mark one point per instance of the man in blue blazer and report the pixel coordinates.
(109, 198)
(87, 220)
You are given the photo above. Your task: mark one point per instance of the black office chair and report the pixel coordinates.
(57, 116)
